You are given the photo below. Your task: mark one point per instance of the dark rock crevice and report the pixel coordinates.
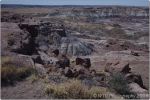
(28, 48)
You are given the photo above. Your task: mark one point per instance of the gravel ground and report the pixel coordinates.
(24, 90)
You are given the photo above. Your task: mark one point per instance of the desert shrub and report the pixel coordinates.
(5, 60)
(10, 73)
(74, 89)
(23, 72)
(33, 78)
(120, 84)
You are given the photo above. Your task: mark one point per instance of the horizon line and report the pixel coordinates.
(74, 5)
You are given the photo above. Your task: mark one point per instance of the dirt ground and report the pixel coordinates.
(24, 90)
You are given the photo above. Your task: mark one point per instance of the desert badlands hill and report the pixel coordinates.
(94, 49)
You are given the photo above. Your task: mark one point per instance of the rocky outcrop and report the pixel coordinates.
(73, 46)
(91, 13)
(47, 36)
(84, 62)
(63, 62)
(20, 42)
(40, 37)
(134, 81)
(117, 67)
(48, 60)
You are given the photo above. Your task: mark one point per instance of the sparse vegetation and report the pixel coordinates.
(11, 73)
(74, 89)
(81, 27)
(120, 85)
(33, 78)
(117, 32)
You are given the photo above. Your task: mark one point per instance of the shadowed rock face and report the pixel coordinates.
(46, 36)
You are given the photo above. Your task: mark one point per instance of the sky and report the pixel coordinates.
(79, 2)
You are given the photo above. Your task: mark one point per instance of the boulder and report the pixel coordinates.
(48, 60)
(22, 60)
(84, 62)
(117, 67)
(41, 70)
(37, 59)
(141, 93)
(80, 71)
(87, 63)
(63, 62)
(68, 72)
(131, 77)
(55, 52)
(79, 61)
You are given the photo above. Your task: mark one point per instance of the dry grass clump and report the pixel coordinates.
(5, 60)
(33, 78)
(10, 73)
(74, 89)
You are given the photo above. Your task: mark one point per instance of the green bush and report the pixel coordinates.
(120, 84)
